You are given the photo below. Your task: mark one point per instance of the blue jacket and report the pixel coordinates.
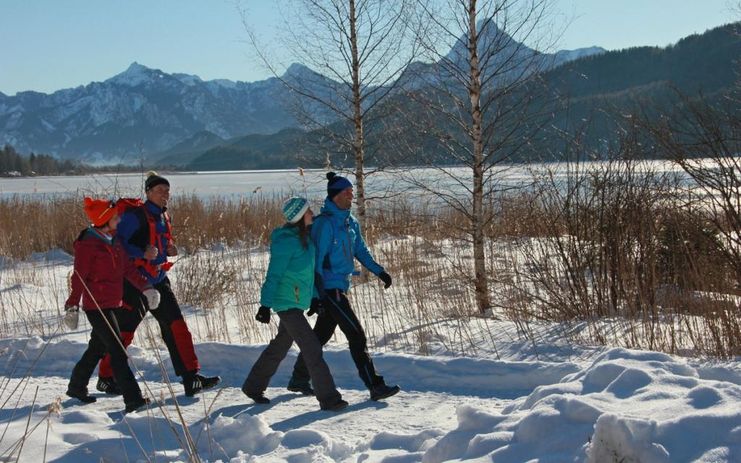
(133, 232)
(289, 282)
(336, 234)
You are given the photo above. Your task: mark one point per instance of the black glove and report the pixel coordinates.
(316, 307)
(263, 314)
(386, 278)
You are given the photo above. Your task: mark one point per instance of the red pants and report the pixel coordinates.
(174, 330)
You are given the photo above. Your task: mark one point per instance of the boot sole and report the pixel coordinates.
(335, 408)
(392, 392)
(84, 399)
(137, 408)
(300, 391)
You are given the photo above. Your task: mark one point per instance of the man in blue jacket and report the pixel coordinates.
(338, 240)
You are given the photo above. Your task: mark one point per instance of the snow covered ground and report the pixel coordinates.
(565, 404)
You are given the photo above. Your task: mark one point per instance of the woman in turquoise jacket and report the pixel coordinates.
(288, 290)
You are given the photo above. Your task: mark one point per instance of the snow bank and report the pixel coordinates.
(627, 406)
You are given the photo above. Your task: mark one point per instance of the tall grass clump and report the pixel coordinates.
(612, 253)
(29, 225)
(619, 244)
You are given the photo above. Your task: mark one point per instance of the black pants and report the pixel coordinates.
(173, 328)
(105, 338)
(337, 312)
(293, 327)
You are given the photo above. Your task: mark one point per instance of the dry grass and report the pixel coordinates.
(619, 246)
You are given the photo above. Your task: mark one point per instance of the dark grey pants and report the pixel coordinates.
(293, 327)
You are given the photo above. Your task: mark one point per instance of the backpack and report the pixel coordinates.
(136, 205)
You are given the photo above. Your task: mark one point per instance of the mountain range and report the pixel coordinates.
(146, 115)
(587, 100)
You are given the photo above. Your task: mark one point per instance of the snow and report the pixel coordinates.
(575, 404)
(134, 75)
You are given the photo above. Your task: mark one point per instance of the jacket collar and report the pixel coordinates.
(331, 208)
(153, 208)
(108, 239)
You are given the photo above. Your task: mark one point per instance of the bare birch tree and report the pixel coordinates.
(478, 104)
(357, 49)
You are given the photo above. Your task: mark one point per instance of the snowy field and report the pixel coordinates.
(510, 402)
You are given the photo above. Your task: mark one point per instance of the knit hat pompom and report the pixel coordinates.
(154, 179)
(99, 211)
(336, 184)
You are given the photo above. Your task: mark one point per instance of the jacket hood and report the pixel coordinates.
(282, 233)
(91, 238)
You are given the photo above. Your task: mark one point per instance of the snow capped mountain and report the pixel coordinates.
(498, 53)
(140, 111)
(135, 75)
(144, 111)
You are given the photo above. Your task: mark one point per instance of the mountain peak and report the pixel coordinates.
(134, 75)
(297, 70)
(188, 79)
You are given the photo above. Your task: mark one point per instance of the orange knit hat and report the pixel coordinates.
(99, 211)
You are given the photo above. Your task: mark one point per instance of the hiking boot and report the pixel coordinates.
(108, 385)
(334, 406)
(195, 383)
(136, 404)
(258, 397)
(302, 388)
(81, 395)
(383, 391)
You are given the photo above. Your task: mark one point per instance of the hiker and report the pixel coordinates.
(338, 240)
(146, 235)
(288, 290)
(98, 275)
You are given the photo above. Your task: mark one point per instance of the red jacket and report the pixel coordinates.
(101, 266)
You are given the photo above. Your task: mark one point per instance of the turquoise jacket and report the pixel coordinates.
(289, 283)
(336, 234)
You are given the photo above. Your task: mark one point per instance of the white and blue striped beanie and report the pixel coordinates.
(295, 208)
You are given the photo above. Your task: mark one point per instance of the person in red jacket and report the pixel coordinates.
(100, 267)
(146, 236)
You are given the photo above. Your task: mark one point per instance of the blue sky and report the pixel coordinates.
(47, 45)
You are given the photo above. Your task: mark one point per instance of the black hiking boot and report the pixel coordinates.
(81, 395)
(108, 385)
(257, 397)
(137, 404)
(300, 387)
(383, 391)
(334, 406)
(195, 383)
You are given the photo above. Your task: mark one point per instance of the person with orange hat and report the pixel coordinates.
(100, 267)
(146, 235)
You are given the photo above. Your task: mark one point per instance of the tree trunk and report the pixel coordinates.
(358, 136)
(477, 220)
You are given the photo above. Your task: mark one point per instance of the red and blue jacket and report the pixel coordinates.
(135, 232)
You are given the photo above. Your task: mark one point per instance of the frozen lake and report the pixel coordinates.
(280, 183)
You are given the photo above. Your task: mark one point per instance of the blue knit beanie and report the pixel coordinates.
(336, 184)
(294, 209)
